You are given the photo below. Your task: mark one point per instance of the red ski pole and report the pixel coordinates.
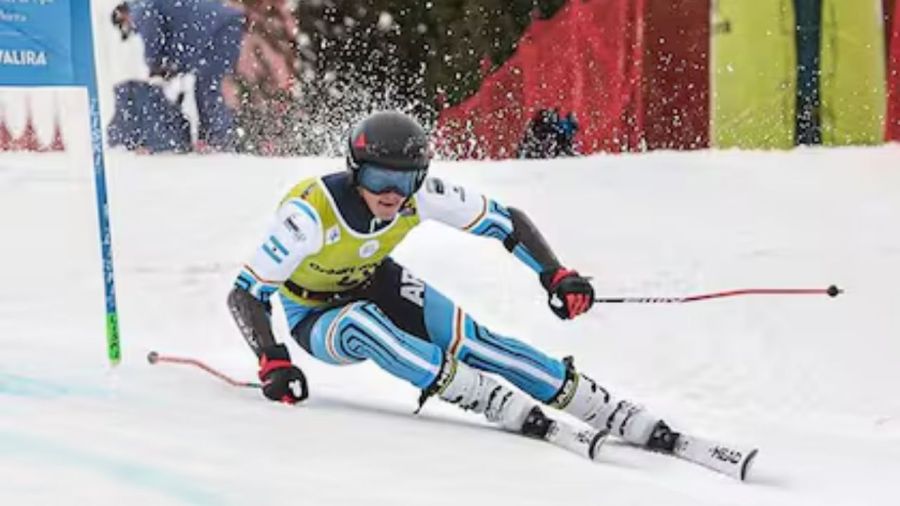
(154, 358)
(831, 291)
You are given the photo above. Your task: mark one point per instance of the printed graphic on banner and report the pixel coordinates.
(35, 42)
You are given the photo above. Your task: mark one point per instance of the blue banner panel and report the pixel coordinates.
(35, 42)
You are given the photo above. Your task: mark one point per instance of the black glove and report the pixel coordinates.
(568, 293)
(282, 381)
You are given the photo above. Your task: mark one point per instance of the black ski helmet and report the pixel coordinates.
(390, 140)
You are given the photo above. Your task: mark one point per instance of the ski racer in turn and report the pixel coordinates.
(326, 254)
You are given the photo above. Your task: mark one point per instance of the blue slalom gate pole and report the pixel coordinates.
(85, 65)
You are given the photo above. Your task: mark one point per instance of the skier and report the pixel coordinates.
(326, 254)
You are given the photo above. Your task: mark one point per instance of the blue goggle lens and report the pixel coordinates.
(380, 180)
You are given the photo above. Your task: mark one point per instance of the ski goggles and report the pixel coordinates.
(381, 180)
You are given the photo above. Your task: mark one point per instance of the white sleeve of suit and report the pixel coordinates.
(474, 213)
(453, 205)
(294, 233)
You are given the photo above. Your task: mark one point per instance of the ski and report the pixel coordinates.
(728, 459)
(731, 460)
(585, 442)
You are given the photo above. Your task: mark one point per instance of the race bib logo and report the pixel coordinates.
(369, 248)
(333, 235)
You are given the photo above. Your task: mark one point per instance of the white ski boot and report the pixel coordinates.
(583, 398)
(468, 388)
(586, 400)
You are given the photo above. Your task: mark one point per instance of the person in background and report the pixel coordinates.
(538, 135)
(202, 37)
(567, 128)
(549, 135)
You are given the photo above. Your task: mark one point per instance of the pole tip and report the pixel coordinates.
(833, 291)
(152, 357)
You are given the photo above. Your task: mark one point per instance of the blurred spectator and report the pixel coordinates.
(264, 87)
(565, 141)
(147, 121)
(539, 136)
(202, 37)
(548, 135)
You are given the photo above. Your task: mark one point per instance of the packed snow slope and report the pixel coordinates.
(811, 380)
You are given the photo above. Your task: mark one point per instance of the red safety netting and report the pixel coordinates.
(579, 61)
(676, 74)
(893, 121)
(592, 59)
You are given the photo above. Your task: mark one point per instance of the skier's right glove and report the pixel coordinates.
(282, 381)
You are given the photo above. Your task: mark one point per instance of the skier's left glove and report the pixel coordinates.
(569, 294)
(282, 381)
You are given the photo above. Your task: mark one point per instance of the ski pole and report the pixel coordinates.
(831, 291)
(155, 358)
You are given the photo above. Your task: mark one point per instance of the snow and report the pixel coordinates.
(810, 380)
